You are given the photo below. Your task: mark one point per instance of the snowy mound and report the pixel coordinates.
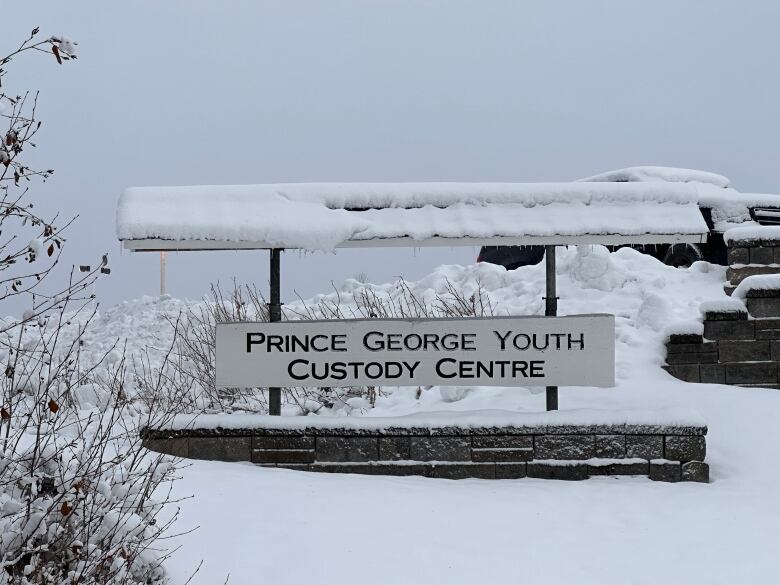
(644, 174)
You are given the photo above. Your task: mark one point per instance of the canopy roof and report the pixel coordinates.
(322, 216)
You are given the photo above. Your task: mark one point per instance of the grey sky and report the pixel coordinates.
(186, 92)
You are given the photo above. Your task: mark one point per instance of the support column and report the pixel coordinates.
(274, 316)
(551, 310)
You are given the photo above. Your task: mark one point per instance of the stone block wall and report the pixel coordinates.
(733, 350)
(749, 257)
(661, 452)
(738, 347)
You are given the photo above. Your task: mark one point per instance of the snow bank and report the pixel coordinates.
(323, 216)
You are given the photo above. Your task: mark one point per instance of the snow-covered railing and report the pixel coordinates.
(322, 216)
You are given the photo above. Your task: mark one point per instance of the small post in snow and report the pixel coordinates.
(162, 273)
(551, 310)
(274, 316)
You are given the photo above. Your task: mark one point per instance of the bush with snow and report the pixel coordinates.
(78, 500)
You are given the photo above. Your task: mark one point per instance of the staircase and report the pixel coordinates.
(740, 344)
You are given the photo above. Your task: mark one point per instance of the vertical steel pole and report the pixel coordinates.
(551, 310)
(275, 315)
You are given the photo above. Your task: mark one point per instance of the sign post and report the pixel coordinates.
(274, 316)
(551, 310)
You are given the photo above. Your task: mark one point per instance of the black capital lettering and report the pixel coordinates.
(254, 339)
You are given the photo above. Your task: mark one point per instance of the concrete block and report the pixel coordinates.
(767, 328)
(763, 307)
(610, 446)
(726, 315)
(347, 449)
(176, 446)
(403, 469)
(695, 471)
(729, 330)
(708, 357)
(510, 470)
(665, 471)
(283, 456)
(764, 293)
(752, 373)
(358, 468)
(676, 348)
(686, 338)
(564, 447)
(502, 441)
(712, 374)
(568, 471)
(502, 454)
(761, 255)
(221, 448)
(394, 448)
(440, 449)
(684, 448)
(645, 446)
(684, 372)
(465, 470)
(266, 442)
(738, 255)
(743, 350)
(737, 275)
(622, 468)
(767, 333)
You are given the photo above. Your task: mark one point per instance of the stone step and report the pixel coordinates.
(739, 272)
(738, 373)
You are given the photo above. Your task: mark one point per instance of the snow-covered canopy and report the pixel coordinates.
(321, 216)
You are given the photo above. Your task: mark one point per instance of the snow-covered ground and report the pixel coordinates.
(285, 527)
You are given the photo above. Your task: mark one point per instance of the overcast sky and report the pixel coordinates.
(209, 92)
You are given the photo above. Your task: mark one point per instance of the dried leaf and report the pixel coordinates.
(4, 414)
(56, 51)
(50, 249)
(9, 371)
(65, 509)
(53, 406)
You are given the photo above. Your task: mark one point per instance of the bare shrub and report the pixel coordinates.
(197, 329)
(76, 488)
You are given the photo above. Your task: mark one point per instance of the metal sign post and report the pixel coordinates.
(551, 310)
(274, 316)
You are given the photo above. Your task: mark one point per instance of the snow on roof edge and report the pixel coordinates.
(322, 216)
(649, 173)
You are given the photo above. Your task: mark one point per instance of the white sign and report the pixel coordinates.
(574, 350)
